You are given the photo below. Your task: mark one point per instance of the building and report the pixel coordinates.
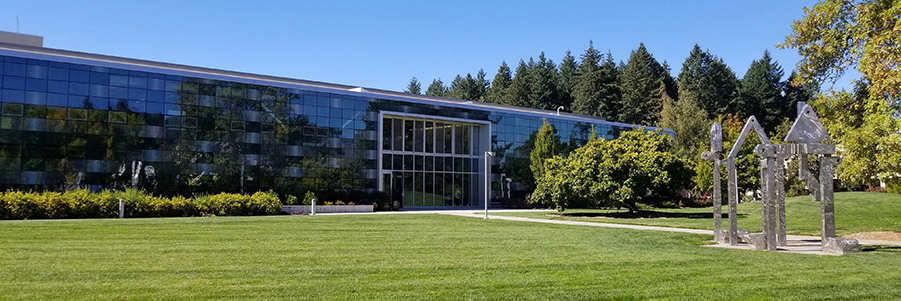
(73, 119)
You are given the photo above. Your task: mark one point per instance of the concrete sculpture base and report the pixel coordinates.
(840, 246)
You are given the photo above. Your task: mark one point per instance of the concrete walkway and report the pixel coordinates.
(796, 243)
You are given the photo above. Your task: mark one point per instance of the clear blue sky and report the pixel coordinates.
(382, 44)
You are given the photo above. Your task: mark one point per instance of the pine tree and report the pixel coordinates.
(518, 92)
(457, 88)
(413, 87)
(641, 79)
(481, 86)
(793, 92)
(760, 93)
(500, 84)
(568, 78)
(544, 92)
(587, 92)
(547, 145)
(669, 83)
(710, 80)
(437, 88)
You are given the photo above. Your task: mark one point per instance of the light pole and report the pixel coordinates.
(487, 181)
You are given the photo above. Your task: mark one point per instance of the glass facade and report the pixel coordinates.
(426, 175)
(81, 122)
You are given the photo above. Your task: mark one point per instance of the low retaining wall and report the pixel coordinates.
(305, 209)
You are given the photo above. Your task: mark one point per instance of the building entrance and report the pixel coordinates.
(431, 163)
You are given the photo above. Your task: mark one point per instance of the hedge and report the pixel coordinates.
(105, 204)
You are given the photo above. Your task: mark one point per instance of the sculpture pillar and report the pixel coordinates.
(716, 146)
(827, 200)
(733, 202)
(717, 202)
(780, 202)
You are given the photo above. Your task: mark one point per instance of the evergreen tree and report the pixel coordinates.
(760, 93)
(437, 88)
(669, 83)
(413, 87)
(547, 145)
(456, 89)
(481, 85)
(686, 118)
(596, 91)
(641, 79)
(467, 88)
(500, 84)
(793, 92)
(568, 78)
(518, 92)
(544, 92)
(710, 80)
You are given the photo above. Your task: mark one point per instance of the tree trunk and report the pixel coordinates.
(633, 207)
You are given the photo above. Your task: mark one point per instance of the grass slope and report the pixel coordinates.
(407, 257)
(854, 212)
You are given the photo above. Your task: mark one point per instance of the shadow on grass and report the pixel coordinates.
(880, 248)
(648, 214)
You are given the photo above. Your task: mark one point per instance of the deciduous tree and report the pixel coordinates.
(836, 35)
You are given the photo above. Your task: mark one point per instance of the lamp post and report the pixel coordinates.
(487, 181)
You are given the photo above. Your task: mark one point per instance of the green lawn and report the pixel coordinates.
(854, 212)
(407, 256)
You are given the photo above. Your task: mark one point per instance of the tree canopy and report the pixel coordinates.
(620, 172)
(836, 35)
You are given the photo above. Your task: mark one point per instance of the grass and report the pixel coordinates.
(854, 212)
(408, 256)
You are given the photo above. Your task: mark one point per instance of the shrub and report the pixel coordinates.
(84, 204)
(290, 200)
(308, 198)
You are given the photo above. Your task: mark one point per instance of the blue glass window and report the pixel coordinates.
(137, 94)
(14, 96)
(59, 100)
(33, 84)
(137, 82)
(99, 91)
(58, 73)
(36, 98)
(14, 69)
(98, 78)
(54, 86)
(118, 92)
(34, 71)
(78, 89)
(13, 82)
(118, 80)
(79, 76)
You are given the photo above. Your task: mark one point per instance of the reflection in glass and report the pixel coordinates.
(448, 135)
(386, 133)
(417, 136)
(418, 188)
(439, 137)
(398, 134)
(429, 193)
(429, 137)
(409, 194)
(408, 135)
